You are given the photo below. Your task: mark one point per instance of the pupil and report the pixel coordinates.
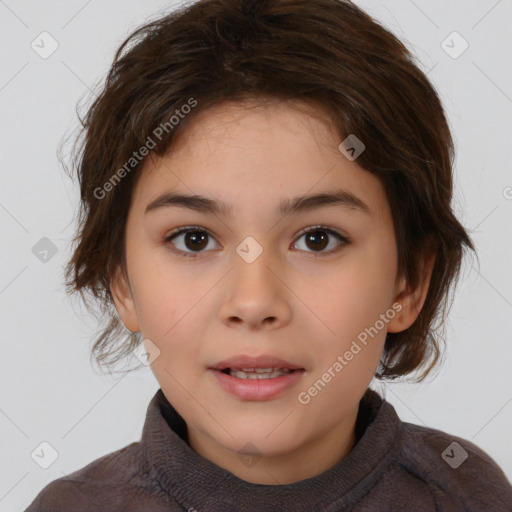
(321, 239)
(195, 237)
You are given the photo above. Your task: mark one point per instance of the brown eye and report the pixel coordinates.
(189, 241)
(318, 238)
(196, 240)
(192, 241)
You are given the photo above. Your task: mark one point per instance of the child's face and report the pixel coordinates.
(287, 303)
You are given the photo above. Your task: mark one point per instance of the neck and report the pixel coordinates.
(307, 460)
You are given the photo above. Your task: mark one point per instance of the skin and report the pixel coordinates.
(201, 310)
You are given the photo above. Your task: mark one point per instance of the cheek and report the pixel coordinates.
(352, 302)
(354, 294)
(173, 304)
(164, 290)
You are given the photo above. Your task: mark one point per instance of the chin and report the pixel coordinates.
(258, 443)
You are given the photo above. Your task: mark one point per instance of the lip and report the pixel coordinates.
(256, 389)
(247, 361)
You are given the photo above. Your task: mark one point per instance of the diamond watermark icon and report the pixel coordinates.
(44, 45)
(352, 147)
(44, 455)
(146, 352)
(454, 455)
(249, 249)
(249, 459)
(44, 250)
(454, 45)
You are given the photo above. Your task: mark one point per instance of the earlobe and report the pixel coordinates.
(123, 301)
(411, 301)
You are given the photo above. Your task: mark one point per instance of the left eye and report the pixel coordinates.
(318, 238)
(196, 240)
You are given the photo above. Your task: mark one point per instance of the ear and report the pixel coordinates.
(123, 300)
(412, 300)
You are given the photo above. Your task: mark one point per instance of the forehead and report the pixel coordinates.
(270, 151)
(256, 122)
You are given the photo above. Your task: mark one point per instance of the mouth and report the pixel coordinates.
(261, 377)
(260, 384)
(258, 373)
(263, 364)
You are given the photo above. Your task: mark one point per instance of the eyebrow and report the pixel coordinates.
(298, 204)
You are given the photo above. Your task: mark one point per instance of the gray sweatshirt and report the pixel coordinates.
(394, 466)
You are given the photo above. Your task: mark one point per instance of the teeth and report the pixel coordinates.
(258, 370)
(259, 373)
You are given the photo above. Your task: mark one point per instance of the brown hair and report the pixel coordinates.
(327, 53)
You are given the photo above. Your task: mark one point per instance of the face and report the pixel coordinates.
(302, 285)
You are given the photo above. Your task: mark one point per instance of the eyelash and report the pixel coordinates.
(186, 229)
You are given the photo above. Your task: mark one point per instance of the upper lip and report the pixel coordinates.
(262, 361)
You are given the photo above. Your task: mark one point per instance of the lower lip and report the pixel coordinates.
(257, 389)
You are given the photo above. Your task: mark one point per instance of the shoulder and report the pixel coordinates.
(457, 471)
(116, 481)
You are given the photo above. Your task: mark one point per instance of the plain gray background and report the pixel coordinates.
(49, 391)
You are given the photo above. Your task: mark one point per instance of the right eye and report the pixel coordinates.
(193, 238)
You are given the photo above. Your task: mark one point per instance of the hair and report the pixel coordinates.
(324, 53)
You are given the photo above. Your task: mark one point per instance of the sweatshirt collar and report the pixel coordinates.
(197, 483)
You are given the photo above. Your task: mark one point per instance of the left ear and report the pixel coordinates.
(412, 300)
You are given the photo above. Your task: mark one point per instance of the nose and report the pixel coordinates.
(256, 296)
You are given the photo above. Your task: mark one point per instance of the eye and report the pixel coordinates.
(195, 239)
(318, 237)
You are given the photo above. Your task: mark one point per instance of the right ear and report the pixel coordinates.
(123, 300)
